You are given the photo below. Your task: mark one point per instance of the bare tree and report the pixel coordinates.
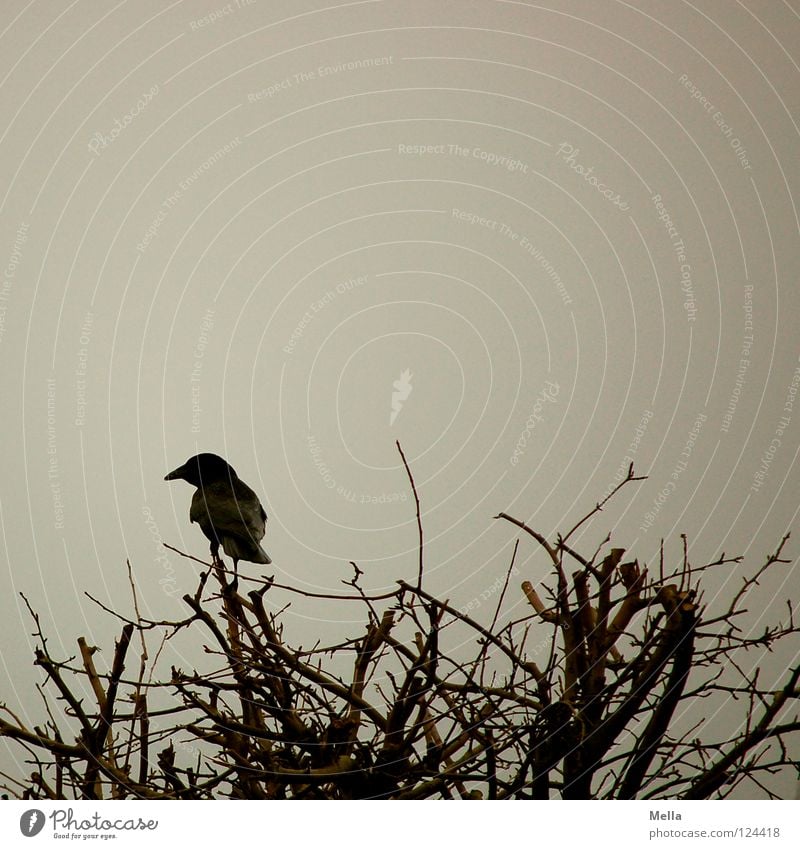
(401, 711)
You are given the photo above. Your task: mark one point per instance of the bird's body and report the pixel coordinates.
(227, 510)
(237, 524)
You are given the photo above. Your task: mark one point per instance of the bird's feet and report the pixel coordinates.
(228, 587)
(232, 587)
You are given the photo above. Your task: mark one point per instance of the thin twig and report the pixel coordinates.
(419, 516)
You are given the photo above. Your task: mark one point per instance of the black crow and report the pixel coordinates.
(227, 510)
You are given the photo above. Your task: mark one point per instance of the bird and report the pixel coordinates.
(227, 510)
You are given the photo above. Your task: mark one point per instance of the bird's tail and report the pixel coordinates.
(248, 550)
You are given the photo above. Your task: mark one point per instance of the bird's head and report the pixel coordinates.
(202, 468)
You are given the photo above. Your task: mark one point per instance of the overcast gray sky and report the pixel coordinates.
(531, 242)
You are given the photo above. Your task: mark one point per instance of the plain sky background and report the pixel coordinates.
(233, 228)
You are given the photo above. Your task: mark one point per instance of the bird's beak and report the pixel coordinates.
(176, 474)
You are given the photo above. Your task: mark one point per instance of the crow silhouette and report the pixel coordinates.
(227, 510)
